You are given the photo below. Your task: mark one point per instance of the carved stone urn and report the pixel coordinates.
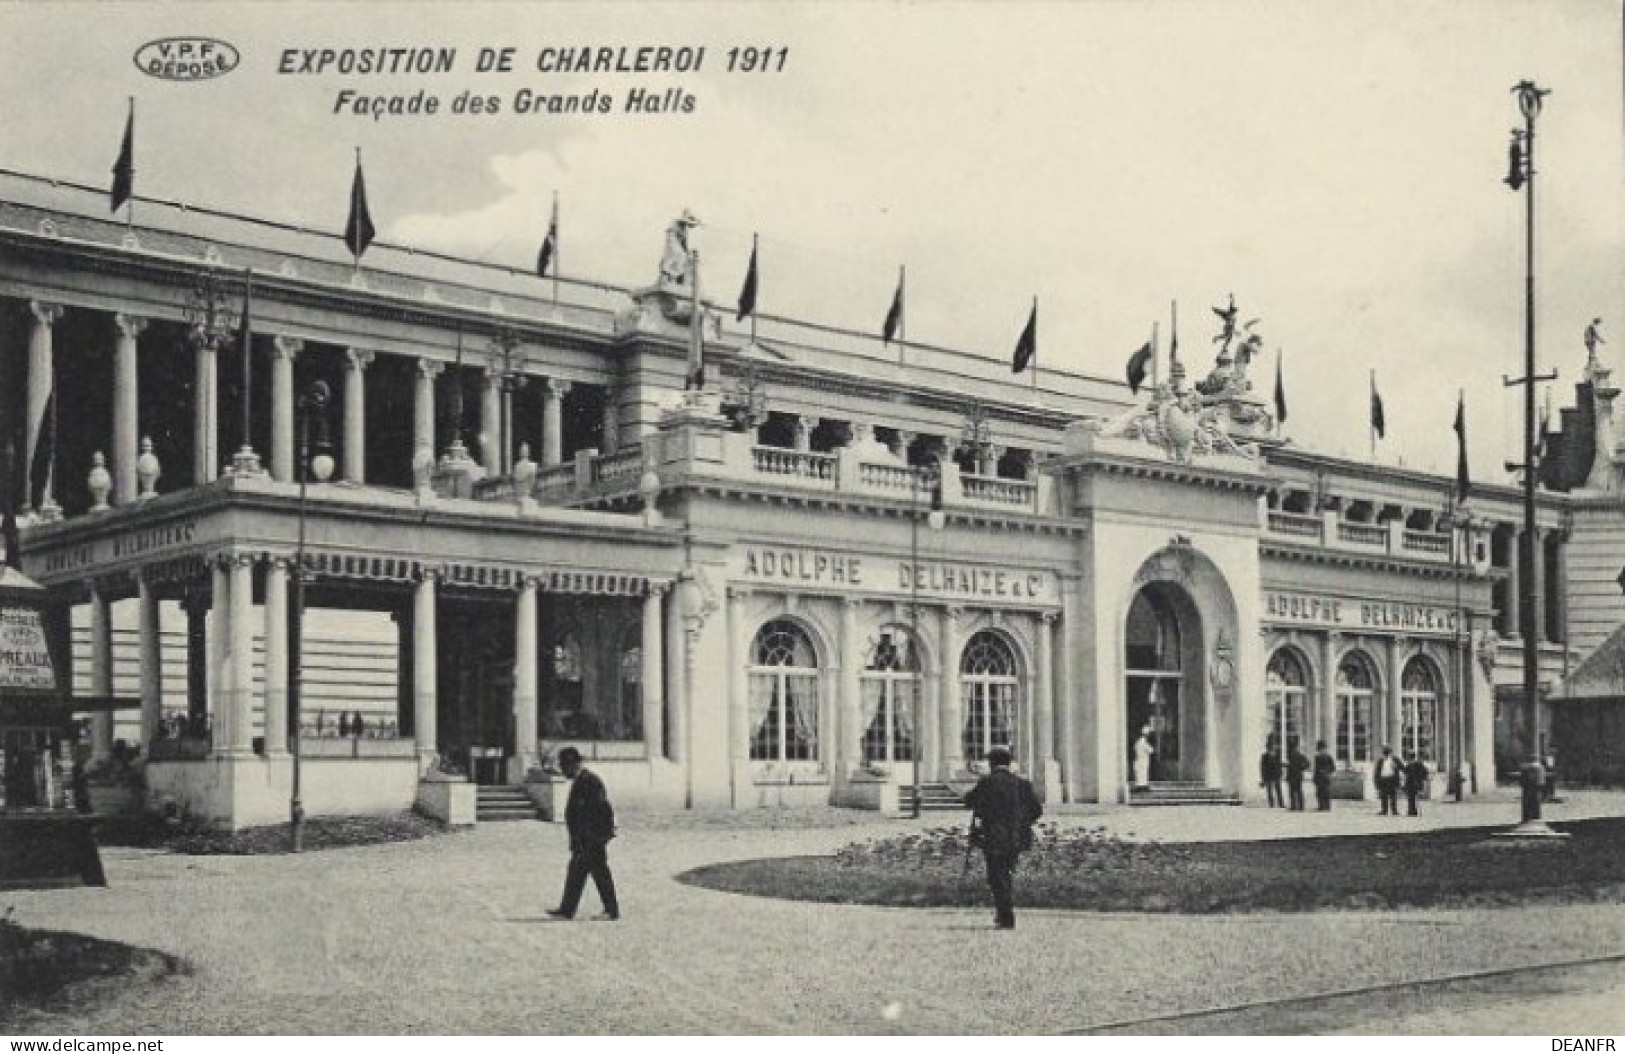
(99, 482)
(147, 471)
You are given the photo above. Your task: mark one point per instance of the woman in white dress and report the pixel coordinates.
(1142, 758)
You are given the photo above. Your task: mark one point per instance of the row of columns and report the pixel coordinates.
(127, 331)
(232, 688)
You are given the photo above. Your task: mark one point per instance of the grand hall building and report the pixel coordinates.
(830, 572)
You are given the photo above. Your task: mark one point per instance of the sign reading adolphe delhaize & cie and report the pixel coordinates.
(1357, 615)
(822, 570)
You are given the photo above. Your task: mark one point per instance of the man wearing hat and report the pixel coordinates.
(1005, 809)
(591, 823)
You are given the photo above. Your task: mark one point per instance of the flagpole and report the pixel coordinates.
(129, 204)
(1154, 352)
(696, 338)
(902, 312)
(1035, 343)
(754, 291)
(557, 258)
(248, 363)
(355, 196)
(1371, 417)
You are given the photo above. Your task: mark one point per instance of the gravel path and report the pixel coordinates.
(448, 936)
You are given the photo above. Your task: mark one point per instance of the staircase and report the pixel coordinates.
(1180, 792)
(496, 803)
(934, 797)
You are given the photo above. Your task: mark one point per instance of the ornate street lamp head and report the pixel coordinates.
(1529, 98)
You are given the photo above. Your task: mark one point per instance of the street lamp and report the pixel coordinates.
(212, 325)
(312, 403)
(922, 477)
(1521, 176)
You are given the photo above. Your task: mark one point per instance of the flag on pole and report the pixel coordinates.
(1138, 364)
(1280, 392)
(1463, 482)
(358, 228)
(894, 315)
(124, 167)
(1378, 422)
(550, 243)
(747, 292)
(1027, 346)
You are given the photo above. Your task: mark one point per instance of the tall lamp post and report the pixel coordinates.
(924, 476)
(312, 403)
(1521, 176)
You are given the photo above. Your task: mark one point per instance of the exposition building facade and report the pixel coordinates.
(834, 570)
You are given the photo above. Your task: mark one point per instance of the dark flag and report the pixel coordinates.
(1280, 393)
(358, 229)
(124, 167)
(1463, 483)
(1027, 346)
(1138, 365)
(1378, 423)
(550, 244)
(747, 293)
(894, 315)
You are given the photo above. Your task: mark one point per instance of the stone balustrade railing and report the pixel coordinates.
(801, 464)
(996, 490)
(1331, 531)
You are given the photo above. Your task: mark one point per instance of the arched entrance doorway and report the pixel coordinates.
(1162, 663)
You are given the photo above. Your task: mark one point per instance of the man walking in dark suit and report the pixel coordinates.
(590, 820)
(1005, 809)
(1416, 778)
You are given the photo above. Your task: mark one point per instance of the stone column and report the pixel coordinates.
(804, 430)
(676, 675)
(951, 758)
(1533, 616)
(654, 672)
(425, 670)
(491, 418)
(847, 738)
(41, 383)
(1072, 645)
(1390, 721)
(1043, 744)
(355, 414)
(126, 388)
(525, 663)
(241, 697)
(739, 661)
(276, 656)
(101, 669)
(553, 392)
(423, 405)
(151, 671)
(205, 414)
(1329, 645)
(217, 624)
(284, 350)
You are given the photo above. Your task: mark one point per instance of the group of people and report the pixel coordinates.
(1391, 775)
(1294, 766)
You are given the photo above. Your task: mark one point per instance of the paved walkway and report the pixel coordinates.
(448, 935)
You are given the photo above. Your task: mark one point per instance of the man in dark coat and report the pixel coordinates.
(1324, 767)
(1005, 809)
(1297, 766)
(591, 823)
(1269, 772)
(1416, 777)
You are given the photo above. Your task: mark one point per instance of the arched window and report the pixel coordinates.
(631, 677)
(891, 690)
(1419, 710)
(1286, 688)
(989, 690)
(1356, 690)
(783, 694)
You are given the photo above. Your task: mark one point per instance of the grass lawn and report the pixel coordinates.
(1088, 870)
(326, 832)
(41, 967)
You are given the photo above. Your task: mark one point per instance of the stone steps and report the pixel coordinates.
(1181, 792)
(495, 804)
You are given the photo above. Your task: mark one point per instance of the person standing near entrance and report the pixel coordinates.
(1324, 767)
(1269, 772)
(1416, 777)
(1297, 766)
(1387, 775)
(1142, 758)
(590, 821)
(1004, 809)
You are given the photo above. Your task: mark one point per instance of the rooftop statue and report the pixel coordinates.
(675, 265)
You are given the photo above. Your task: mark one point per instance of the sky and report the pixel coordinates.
(1337, 167)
